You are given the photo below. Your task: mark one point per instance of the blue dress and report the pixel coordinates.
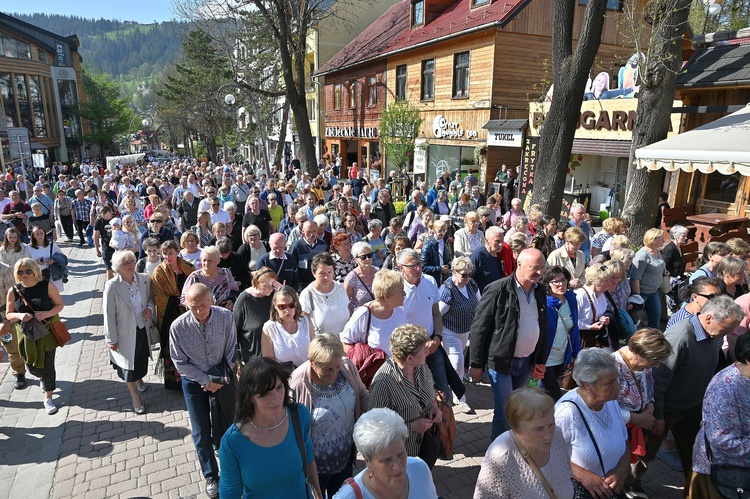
(249, 470)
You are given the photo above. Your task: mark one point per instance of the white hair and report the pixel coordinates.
(359, 246)
(591, 364)
(377, 429)
(119, 256)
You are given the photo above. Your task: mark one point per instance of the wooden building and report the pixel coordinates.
(41, 86)
(471, 66)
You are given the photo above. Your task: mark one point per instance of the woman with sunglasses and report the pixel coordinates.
(695, 296)
(459, 296)
(11, 251)
(41, 250)
(46, 302)
(286, 336)
(358, 283)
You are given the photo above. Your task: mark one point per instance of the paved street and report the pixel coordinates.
(97, 447)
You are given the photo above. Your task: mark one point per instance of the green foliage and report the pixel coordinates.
(399, 127)
(400, 206)
(105, 114)
(734, 15)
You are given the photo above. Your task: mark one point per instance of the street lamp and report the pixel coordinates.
(230, 102)
(713, 8)
(146, 122)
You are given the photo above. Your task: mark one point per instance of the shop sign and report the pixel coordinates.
(60, 54)
(420, 157)
(444, 129)
(504, 138)
(350, 132)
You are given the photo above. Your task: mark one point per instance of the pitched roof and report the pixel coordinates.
(391, 33)
(723, 65)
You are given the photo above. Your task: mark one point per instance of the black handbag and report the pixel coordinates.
(732, 482)
(432, 444)
(221, 374)
(34, 329)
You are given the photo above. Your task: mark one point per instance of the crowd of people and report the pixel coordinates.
(304, 319)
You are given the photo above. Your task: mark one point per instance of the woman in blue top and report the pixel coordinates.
(259, 455)
(562, 324)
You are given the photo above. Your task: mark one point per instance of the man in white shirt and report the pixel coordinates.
(218, 214)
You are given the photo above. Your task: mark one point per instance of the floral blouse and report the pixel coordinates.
(342, 267)
(637, 387)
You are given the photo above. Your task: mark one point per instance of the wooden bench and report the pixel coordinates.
(678, 216)
(690, 254)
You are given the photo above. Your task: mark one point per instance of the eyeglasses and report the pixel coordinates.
(707, 297)
(157, 221)
(413, 265)
(559, 282)
(24, 272)
(365, 256)
(128, 262)
(284, 306)
(253, 235)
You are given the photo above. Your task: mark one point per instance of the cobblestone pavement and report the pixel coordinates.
(97, 447)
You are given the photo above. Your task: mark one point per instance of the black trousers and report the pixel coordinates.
(81, 227)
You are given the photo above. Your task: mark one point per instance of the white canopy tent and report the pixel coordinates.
(126, 159)
(720, 146)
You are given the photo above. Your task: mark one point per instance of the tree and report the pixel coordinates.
(658, 74)
(399, 127)
(105, 114)
(570, 73)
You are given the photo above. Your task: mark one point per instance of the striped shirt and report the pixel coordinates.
(678, 316)
(461, 312)
(391, 389)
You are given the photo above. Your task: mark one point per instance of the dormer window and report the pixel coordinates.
(479, 3)
(417, 12)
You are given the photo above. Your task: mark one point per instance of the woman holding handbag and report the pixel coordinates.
(128, 307)
(34, 299)
(41, 250)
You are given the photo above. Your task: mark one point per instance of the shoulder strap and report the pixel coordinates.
(23, 298)
(369, 320)
(300, 444)
(354, 485)
(527, 457)
(591, 302)
(591, 435)
(365, 285)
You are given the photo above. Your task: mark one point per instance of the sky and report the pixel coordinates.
(143, 11)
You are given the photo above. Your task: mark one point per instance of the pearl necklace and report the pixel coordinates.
(269, 428)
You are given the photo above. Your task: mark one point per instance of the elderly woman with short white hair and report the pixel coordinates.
(358, 283)
(469, 238)
(592, 305)
(592, 424)
(128, 306)
(220, 280)
(531, 459)
(380, 435)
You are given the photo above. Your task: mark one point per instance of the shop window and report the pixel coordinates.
(417, 13)
(428, 79)
(461, 75)
(337, 96)
(372, 91)
(353, 94)
(720, 187)
(611, 4)
(401, 82)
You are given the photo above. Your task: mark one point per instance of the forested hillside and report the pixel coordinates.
(131, 53)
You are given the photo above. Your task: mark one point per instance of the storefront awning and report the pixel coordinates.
(721, 146)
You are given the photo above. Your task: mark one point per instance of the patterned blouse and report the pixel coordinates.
(342, 267)
(725, 422)
(637, 387)
(362, 292)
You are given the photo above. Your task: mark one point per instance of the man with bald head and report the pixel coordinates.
(305, 249)
(509, 333)
(282, 263)
(202, 342)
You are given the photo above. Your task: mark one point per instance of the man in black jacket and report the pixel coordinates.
(509, 333)
(188, 210)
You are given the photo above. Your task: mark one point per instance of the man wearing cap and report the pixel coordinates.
(240, 192)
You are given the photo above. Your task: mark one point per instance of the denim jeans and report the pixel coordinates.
(502, 386)
(199, 411)
(652, 304)
(436, 363)
(332, 482)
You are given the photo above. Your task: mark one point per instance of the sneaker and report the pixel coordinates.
(212, 487)
(20, 382)
(50, 407)
(464, 408)
(671, 458)
(634, 492)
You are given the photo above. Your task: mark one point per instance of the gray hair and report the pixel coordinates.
(591, 364)
(230, 205)
(119, 257)
(373, 224)
(677, 231)
(730, 265)
(359, 246)
(224, 245)
(321, 220)
(406, 253)
(576, 206)
(377, 429)
(461, 263)
(492, 231)
(722, 308)
(211, 251)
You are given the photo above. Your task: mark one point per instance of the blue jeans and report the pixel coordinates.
(502, 386)
(436, 363)
(652, 304)
(332, 482)
(199, 411)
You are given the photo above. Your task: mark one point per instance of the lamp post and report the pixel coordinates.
(713, 8)
(230, 102)
(146, 121)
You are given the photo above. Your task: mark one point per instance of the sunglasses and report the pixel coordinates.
(157, 221)
(24, 272)
(707, 297)
(365, 256)
(284, 306)
(214, 204)
(465, 275)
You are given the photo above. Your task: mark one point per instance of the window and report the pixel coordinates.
(417, 13)
(477, 3)
(14, 48)
(428, 79)
(401, 82)
(42, 56)
(461, 75)
(372, 91)
(337, 96)
(611, 4)
(311, 109)
(352, 94)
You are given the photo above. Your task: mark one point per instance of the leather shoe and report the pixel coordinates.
(20, 382)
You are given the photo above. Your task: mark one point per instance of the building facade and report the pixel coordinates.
(40, 90)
